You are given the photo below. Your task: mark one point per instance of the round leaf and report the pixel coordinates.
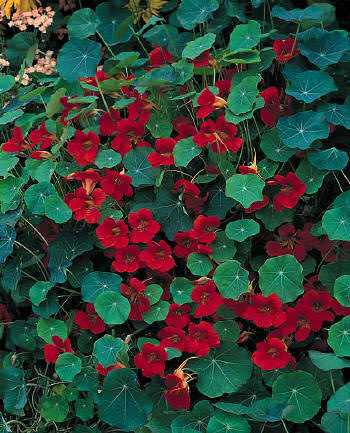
(242, 229)
(68, 366)
(108, 349)
(231, 279)
(199, 264)
(6, 83)
(342, 290)
(96, 283)
(245, 188)
(82, 23)
(339, 337)
(112, 307)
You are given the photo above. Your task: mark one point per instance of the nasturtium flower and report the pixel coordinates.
(164, 152)
(320, 303)
(42, 137)
(68, 107)
(208, 102)
(117, 185)
(301, 320)
(89, 178)
(138, 301)
(291, 189)
(141, 108)
(144, 227)
(129, 133)
(208, 299)
(151, 360)
(272, 354)
(84, 147)
(5, 316)
(158, 256)
(113, 233)
(178, 315)
(171, 336)
(86, 206)
(89, 319)
(127, 259)
(185, 245)
(17, 143)
(159, 56)
(204, 228)
(285, 49)
(220, 135)
(53, 351)
(274, 107)
(178, 393)
(265, 312)
(201, 338)
(108, 122)
(184, 127)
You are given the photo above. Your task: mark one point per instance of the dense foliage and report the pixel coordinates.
(175, 217)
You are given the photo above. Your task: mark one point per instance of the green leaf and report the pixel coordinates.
(10, 116)
(243, 95)
(84, 408)
(297, 15)
(78, 58)
(192, 422)
(329, 159)
(7, 162)
(199, 264)
(311, 176)
(12, 389)
(54, 408)
(334, 423)
(336, 223)
(159, 125)
(22, 46)
(342, 290)
(184, 151)
(47, 328)
(112, 307)
(39, 291)
(245, 36)
(339, 337)
(274, 148)
(57, 210)
(337, 114)
(108, 350)
(223, 248)
(6, 83)
(36, 196)
(153, 293)
(302, 129)
(323, 48)
(228, 330)
(82, 23)
(183, 71)
(107, 158)
(181, 289)
(223, 422)
(157, 312)
(193, 12)
(139, 168)
(224, 370)
(112, 17)
(194, 48)
(243, 57)
(231, 279)
(97, 282)
(340, 401)
(301, 392)
(245, 188)
(68, 366)
(282, 275)
(311, 85)
(121, 403)
(86, 380)
(242, 229)
(328, 361)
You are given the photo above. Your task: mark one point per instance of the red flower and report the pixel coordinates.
(151, 360)
(185, 244)
(103, 371)
(301, 320)
(190, 195)
(4, 315)
(208, 297)
(221, 136)
(320, 303)
(129, 133)
(172, 337)
(127, 259)
(164, 154)
(141, 108)
(42, 136)
(143, 225)
(285, 49)
(178, 315)
(291, 241)
(48, 230)
(93, 80)
(204, 60)
(291, 189)
(68, 107)
(109, 122)
(112, 233)
(184, 127)
(257, 205)
(265, 312)
(53, 351)
(89, 178)
(158, 56)
(17, 143)
(178, 390)
(139, 302)
(85, 206)
(273, 108)
(204, 228)
(89, 320)
(158, 256)
(208, 102)
(117, 185)
(201, 338)
(271, 354)
(84, 147)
